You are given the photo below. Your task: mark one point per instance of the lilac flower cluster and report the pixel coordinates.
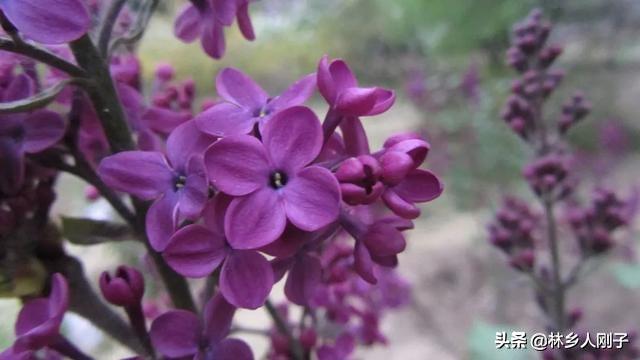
(513, 232)
(252, 189)
(518, 229)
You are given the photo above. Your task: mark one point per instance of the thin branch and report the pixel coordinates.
(107, 25)
(42, 55)
(136, 34)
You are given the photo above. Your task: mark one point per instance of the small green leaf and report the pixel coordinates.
(627, 275)
(82, 231)
(36, 101)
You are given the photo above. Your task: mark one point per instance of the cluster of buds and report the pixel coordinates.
(548, 176)
(573, 111)
(532, 57)
(513, 232)
(529, 39)
(595, 225)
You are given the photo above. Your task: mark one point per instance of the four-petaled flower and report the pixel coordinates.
(177, 182)
(246, 103)
(273, 181)
(181, 334)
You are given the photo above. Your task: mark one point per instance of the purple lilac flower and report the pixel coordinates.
(24, 133)
(197, 250)
(272, 181)
(181, 334)
(246, 103)
(177, 182)
(206, 19)
(124, 288)
(339, 87)
(38, 323)
(48, 21)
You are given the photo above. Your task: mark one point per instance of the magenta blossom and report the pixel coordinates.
(38, 323)
(181, 334)
(206, 19)
(24, 133)
(177, 182)
(48, 21)
(339, 87)
(273, 180)
(197, 250)
(246, 103)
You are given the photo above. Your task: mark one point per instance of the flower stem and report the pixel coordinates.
(296, 348)
(43, 56)
(107, 24)
(85, 302)
(137, 320)
(558, 289)
(103, 95)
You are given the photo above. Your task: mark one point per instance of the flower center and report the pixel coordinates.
(278, 179)
(261, 112)
(180, 182)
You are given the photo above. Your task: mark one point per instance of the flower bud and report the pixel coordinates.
(125, 288)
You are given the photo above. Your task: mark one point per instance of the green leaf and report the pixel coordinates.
(36, 101)
(482, 343)
(82, 231)
(627, 275)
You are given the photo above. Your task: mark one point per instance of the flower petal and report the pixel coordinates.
(185, 141)
(303, 280)
(235, 86)
(232, 349)
(43, 129)
(363, 263)
(20, 87)
(293, 138)
(356, 101)
(176, 334)
(296, 94)
(48, 22)
(164, 120)
(399, 205)
(384, 100)
(188, 26)
(224, 10)
(255, 220)
(218, 317)
(195, 251)
(161, 220)
(212, 40)
(312, 198)
(244, 21)
(226, 119)
(420, 186)
(237, 165)
(383, 240)
(144, 174)
(246, 279)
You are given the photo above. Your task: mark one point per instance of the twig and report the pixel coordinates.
(107, 24)
(42, 55)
